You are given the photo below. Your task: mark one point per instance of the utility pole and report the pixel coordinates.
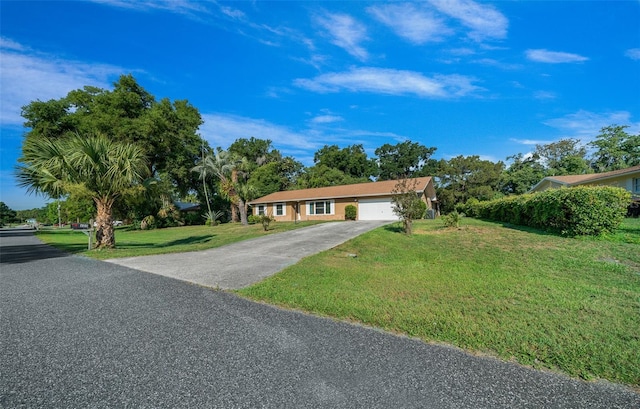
(59, 222)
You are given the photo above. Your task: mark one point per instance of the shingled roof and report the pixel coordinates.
(573, 180)
(579, 179)
(370, 189)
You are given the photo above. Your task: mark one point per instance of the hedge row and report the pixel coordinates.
(578, 211)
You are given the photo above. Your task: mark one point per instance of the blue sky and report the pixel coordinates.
(468, 77)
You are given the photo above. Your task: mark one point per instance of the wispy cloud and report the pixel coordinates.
(184, 7)
(345, 32)
(586, 125)
(27, 75)
(326, 119)
(554, 57)
(411, 22)
(391, 82)
(529, 142)
(633, 53)
(221, 129)
(484, 21)
(496, 63)
(542, 95)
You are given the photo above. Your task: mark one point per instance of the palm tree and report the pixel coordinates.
(246, 193)
(95, 167)
(220, 165)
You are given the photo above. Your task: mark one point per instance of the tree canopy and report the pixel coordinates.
(465, 177)
(351, 160)
(615, 149)
(165, 131)
(565, 157)
(405, 159)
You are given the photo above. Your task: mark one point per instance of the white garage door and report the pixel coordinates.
(376, 209)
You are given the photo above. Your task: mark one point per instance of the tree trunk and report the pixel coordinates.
(105, 237)
(243, 212)
(235, 207)
(234, 213)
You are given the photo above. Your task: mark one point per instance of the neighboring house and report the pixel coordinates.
(187, 207)
(628, 179)
(372, 200)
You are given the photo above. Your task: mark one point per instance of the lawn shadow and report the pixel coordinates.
(180, 242)
(189, 240)
(394, 227)
(528, 229)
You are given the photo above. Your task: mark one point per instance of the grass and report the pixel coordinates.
(570, 305)
(131, 242)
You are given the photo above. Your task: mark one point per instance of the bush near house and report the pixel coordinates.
(350, 212)
(578, 211)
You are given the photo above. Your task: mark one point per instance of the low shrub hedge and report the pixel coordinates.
(577, 211)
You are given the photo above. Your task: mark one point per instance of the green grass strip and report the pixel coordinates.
(130, 242)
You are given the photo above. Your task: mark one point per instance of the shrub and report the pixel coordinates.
(213, 218)
(577, 211)
(350, 212)
(452, 219)
(253, 219)
(148, 223)
(265, 220)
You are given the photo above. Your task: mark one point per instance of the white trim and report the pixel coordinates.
(312, 206)
(284, 209)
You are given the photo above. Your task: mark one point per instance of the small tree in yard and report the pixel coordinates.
(407, 204)
(265, 220)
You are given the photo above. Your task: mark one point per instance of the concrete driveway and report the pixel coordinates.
(242, 264)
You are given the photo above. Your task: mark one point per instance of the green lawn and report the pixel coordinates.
(160, 241)
(571, 305)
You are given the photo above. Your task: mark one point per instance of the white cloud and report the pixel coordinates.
(391, 82)
(222, 130)
(633, 53)
(231, 12)
(586, 125)
(345, 32)
(415, 24)
(529, 142)
(325, 119)
(484, 20)
(554, 57)
(26, 76)
(184, 7)
(496, 63)
(544, 95)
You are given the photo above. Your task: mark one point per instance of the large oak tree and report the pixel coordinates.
(165, 131)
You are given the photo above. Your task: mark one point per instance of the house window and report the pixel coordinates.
(320, 207)
(280, 209)
(636, 185)
(260, 210)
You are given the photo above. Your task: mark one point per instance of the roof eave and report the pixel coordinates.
(306, 198)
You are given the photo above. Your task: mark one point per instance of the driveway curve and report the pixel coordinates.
(247, 262)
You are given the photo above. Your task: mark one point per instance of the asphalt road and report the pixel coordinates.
(76, 333)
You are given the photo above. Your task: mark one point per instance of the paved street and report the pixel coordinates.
(76, 333)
